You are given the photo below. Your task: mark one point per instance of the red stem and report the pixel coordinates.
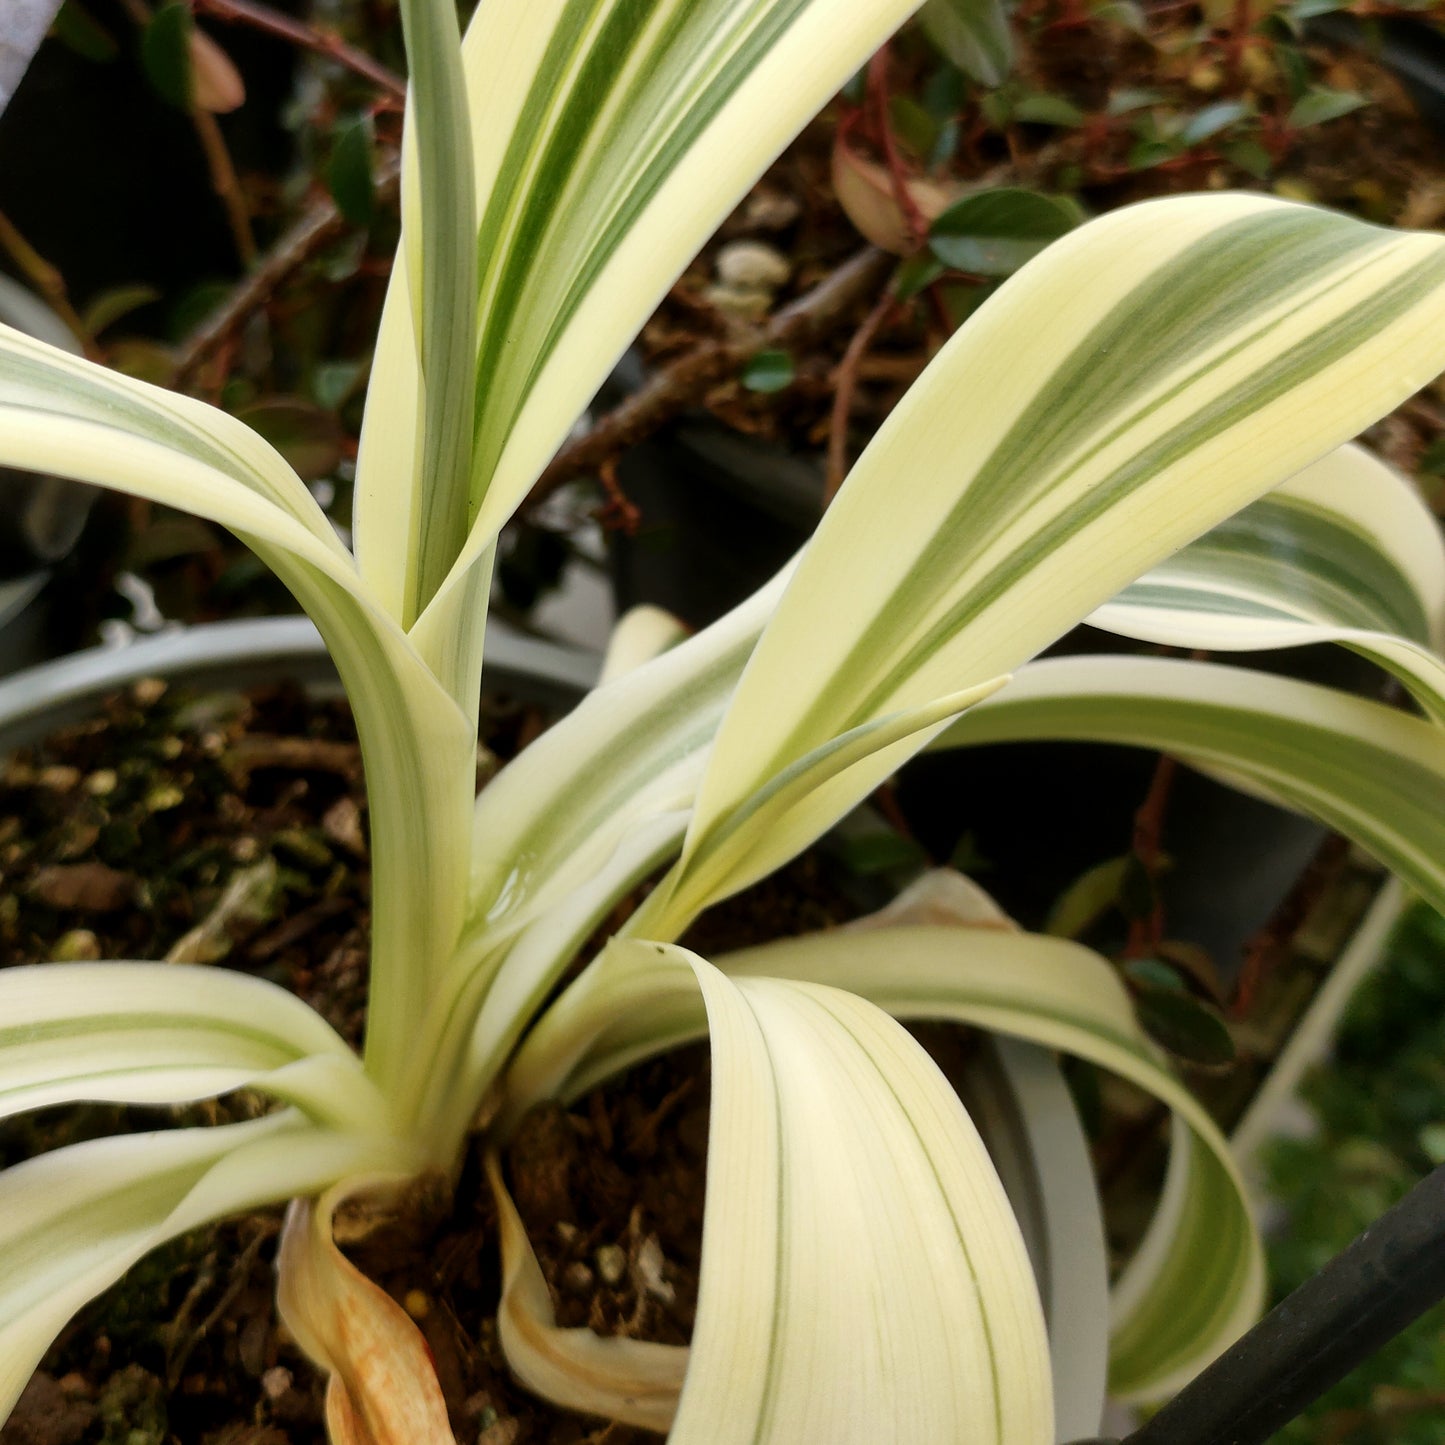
(322, 42)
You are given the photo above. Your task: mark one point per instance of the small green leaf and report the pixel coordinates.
(110, 306)
(914, 125)
(194, 305)
(1293, 67)
(333, 382)
(1213, 119)
(1154, 973)
(945, 145)
(343, 260)
(1250, 157)
(944, 92)
(993, 233)
(1432, 460)
(76, 28)
(915, 274)
(1147, 153)
(142, 359)
(1320, 104)
(1303, 10)
(1121, 102)
(1048, 110)
(165, 52)
(1086, 900)
(1194, 966)
(996, 108)
(973, 34)
(1186, 1027)
(768, 371)
(349, 173)
(967, 857)
(1138, 897)
(1123, 13)
(1432, 1142)
(880, 851)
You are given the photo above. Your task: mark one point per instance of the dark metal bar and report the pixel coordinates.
(1393, 1272)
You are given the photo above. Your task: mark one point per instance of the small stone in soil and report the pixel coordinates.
(49, 1414)
(577, 1278)
(500, 1432)
(80, 945)
(276, 1382)
(84, 887)
(649, 1265)
(612, 1263)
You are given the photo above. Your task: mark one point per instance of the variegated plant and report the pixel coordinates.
(1146, 378)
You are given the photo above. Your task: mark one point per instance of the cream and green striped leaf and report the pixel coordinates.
(1346, 551)
(500, 981)
(66, 416)
(155, 1033)
(647, 820)
(631, 749)
(610, 138)
(439, 243)
(73, 1221)
(855, 1233)
(415, 459)
(579, 818)
(1369, 771)
(385, 495)
(1145, 377)
(801, 802)
(1197, 1281)
(43, 380)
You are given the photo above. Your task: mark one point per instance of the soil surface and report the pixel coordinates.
(230, 829)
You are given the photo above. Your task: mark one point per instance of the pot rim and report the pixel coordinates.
(36, 700)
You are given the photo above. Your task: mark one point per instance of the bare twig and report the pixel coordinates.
(322, 42)
(298, 754)
(182, 1340)
(321, 224)
(913, 218)
(1145, 933)
(225, 183)
(846, 385)
(218, 158)
(46, 279)
(688, 378)
(619, 513)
